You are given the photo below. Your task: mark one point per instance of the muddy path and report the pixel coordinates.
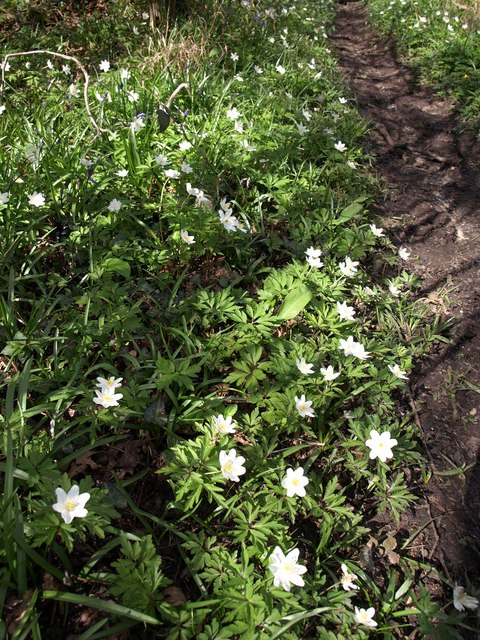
(433, 208)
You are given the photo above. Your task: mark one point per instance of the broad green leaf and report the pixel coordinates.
(295, 302)
(349, 212)
(115, 265)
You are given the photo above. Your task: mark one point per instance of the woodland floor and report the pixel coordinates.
(431, 171)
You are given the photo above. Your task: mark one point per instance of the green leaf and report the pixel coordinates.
(349, 212)
(102, 605)
(294, 618)
(295, 302)
(115, 265)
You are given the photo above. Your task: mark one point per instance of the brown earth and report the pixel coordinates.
(432, 207)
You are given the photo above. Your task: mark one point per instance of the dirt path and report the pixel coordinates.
(433, 208)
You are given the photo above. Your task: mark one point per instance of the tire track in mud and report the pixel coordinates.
(433, 208)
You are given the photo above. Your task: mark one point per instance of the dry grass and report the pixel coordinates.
(177, 54)
(176, 49)
(471, 8)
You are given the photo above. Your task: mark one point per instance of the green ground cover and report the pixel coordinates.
(442, 43)
(201, 376)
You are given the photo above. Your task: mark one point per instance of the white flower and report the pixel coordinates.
(340, 146)
(186, 238)
(395, 369)
(32, 153)
(161, 160)
(462, 601)
(231, 465)
(233, 114)
(115, 205)
(342, 100)
(329, 373)
(86, 162)
(4, 197)
(229, 221)
(377, 231)
(285, 569)
(5, 66)
(295, 482)
(124, 74)
(72, 504)
(345, 312)
(307, 115)
(111, 383)
(313, 257)
(185, 145)
(238, 126)
(404, 253)
(304, 367)
(234, 56)
(171, 173)
(226, 206)
(105, 98)
(137, 124)
(202, 200)
(351, 164)
(394, 290)
(74, 91)
(348, 268)
(247, 146)
(186, 168)
(280, 69)
(258, 69)
(365, 617)
(132, 96)
(304, 407)
(192, 191)
(107, 397)
(224, 425)
(66, 69)
(352, 348)
(145, 15)
(36, 199)
(302, 129)
(104, 65)
(2, 108)
(347, 579)
(380, 445)
(122, 173)
(50, 64)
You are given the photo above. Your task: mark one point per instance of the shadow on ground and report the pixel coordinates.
(433, 208)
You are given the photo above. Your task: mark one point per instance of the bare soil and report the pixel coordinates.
(432, 174)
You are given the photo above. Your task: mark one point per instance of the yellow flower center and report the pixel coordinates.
(295, 482)
(228, 467)
(70, 505)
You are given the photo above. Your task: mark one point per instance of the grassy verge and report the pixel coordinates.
(197, 363)
(442, 43)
